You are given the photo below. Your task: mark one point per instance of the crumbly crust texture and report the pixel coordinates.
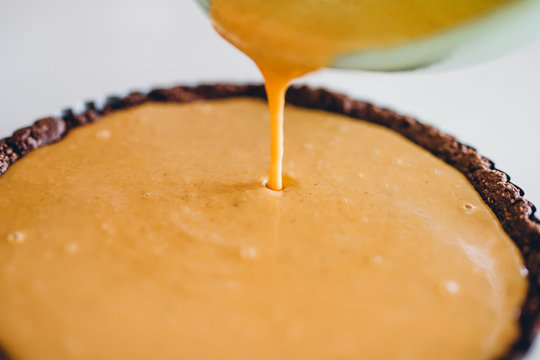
(515, 213)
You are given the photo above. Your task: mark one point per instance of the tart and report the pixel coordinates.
(114, 260)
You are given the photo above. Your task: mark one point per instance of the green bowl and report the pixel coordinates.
(484, 38)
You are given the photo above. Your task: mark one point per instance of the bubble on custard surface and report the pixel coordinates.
(452, 287)
(16, 237)
(343, 128)
(103, 134)
(468, 208)
(107, 228)
(205, 108)
(248, 253)
(71, 248)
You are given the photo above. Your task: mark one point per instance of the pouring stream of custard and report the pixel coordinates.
(289, 38)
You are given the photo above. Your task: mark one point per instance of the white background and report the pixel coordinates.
(55, 53)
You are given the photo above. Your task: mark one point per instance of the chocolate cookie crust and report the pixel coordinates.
(505, 199)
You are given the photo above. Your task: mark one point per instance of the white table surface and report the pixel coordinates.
(55, 53)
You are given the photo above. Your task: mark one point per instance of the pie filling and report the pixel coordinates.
(150, 233)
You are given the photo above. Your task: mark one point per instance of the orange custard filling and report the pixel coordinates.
(149, 235)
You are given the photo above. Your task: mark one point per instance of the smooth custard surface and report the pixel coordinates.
(150, 235)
